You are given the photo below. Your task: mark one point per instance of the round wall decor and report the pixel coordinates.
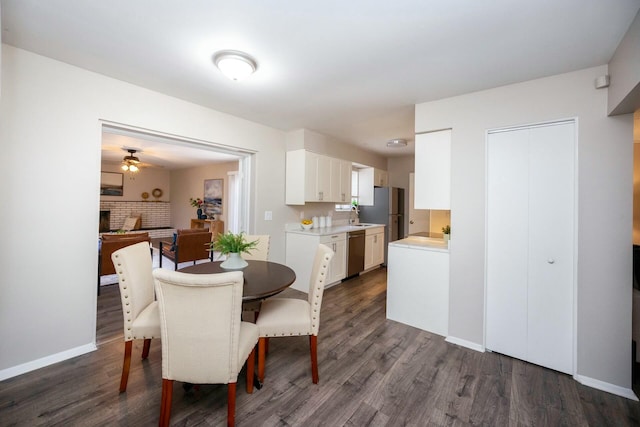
(157, 193)
(145, 195)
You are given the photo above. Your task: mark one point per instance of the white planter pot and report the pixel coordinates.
(234, 262)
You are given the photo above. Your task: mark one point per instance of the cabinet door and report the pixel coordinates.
(323, 187)
(311, 177)
(380, 178)
(374, 249)
(378, 249)
(433, 170)
(335, 166)
(344, 194)
(338, 266)
(365, 187)
(369, 251)
(317, 177)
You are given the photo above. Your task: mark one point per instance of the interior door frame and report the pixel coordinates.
(575, 122)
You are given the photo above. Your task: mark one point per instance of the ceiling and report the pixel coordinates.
(158, 151)
(352, 70)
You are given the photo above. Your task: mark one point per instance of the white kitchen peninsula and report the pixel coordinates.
(418, 283)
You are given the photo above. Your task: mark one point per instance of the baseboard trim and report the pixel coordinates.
(608, 387)
(465, 343)
(14, 371)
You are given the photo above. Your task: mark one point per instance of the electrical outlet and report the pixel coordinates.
(268, 215)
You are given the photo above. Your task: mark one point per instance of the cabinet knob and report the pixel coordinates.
(551, 260)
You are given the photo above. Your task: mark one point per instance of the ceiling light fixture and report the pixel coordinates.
(397, 143)
(235, 64)
(130, 163)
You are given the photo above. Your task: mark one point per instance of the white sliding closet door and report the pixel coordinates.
(530, 244)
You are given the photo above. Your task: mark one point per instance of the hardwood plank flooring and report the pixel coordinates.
(373, 372)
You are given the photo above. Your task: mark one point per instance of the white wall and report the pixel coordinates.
(50, 111)
(604, 224)
(133, 185)
(323, 144)
(624, 71)
(189, 183)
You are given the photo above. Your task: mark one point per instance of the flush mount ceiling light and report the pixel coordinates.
(235, 64)
(130, 163)
(397, 143)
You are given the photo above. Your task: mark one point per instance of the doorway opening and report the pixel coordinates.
(172, 170)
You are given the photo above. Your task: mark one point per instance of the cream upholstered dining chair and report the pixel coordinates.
(287, 317)
(261, 251)
(140, 310)
(204, 340)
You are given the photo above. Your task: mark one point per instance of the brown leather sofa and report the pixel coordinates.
(190, 245)
(110, 244)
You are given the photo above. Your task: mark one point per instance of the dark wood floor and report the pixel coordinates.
(372, 372)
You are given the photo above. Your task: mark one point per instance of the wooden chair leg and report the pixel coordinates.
(165, 402)
(145, 348)
(231, 404)
(126, 364)
(251, 365)
(313, 344)
(261, 355)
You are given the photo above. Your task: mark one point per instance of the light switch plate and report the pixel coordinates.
(268, 215)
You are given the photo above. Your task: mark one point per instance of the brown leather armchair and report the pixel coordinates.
(190, 245)
(110, 244)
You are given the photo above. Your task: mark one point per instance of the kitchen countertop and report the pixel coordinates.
(333, 229)
(422, 243)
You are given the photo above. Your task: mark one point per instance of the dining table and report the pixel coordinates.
(262, 279)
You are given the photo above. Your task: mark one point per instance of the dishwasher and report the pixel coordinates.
(355, 248)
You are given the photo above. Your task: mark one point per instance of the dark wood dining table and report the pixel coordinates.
(262, 279)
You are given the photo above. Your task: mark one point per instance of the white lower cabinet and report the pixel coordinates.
(301, 250)
(373, 247)
(418, 287)
(338, 266)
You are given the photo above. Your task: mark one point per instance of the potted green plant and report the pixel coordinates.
(233, 245)
(446, 232)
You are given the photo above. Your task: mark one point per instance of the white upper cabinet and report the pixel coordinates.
(380, 178)
(343, 194)
(433, 170)
(365, 187)
(312, 177)
(367, 179)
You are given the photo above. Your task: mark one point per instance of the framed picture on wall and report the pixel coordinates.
(213, 197)
(111, 184)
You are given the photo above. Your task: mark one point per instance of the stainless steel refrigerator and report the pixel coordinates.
(387, 209)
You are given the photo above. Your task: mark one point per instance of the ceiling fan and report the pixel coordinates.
(131, 163)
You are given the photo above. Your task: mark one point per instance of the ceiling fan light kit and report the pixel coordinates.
(130, 162)
(235, 64)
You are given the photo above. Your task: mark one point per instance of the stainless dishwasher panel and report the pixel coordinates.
(355, 247)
